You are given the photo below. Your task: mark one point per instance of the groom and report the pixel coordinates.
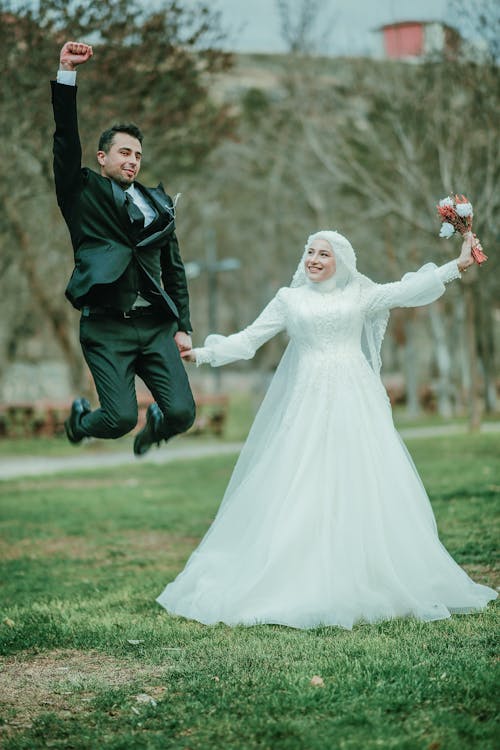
(128, 281)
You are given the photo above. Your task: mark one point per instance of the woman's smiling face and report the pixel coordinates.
(319, 262)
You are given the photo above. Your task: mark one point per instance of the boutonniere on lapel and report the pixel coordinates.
(172, 207)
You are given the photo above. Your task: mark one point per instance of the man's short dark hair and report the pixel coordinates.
(106, 138)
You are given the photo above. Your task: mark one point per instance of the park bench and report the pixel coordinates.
(45, 418)
(42, 418)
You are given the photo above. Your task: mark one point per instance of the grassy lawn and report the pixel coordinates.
(90, 661)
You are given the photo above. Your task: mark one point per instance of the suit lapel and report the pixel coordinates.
(118, 194)
(160, 200)
(119, 198)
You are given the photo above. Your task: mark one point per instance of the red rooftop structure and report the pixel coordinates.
(414, 39)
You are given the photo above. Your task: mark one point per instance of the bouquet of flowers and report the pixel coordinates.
(456, 216)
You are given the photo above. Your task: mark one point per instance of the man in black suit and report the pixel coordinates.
(128, 281)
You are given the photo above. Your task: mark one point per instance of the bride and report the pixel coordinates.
(325, 520)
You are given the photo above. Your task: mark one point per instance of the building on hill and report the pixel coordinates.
(411, 40)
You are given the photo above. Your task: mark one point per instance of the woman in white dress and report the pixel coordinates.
(325, 520)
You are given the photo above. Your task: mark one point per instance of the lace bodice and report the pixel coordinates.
(323, 321)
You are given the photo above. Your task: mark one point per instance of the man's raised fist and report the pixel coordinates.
(73, 54)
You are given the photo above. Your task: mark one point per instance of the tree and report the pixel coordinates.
(300, 24)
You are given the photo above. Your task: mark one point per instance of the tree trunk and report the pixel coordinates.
(461, 351)
(443, 361)
(410, 366)
(41, 294)
(486, 347)
(474, 399)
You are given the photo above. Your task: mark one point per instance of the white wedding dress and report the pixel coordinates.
(325, 520)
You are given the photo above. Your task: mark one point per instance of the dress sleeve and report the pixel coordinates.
(417, 288)
(220, 350)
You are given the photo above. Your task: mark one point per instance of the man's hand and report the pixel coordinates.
(73, 54)
(183, 341)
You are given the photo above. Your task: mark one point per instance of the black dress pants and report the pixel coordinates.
(117, 349)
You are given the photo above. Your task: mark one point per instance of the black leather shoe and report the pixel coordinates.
(79, 408)
(149, 433)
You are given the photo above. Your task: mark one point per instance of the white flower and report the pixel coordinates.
(464, 209)
(447, 230)
(446, 202)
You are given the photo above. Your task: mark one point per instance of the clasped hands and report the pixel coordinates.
(185, 346)
(189, 355)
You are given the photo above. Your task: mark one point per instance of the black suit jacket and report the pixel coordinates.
(104, 242)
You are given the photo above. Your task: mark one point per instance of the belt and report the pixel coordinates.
(109, 312)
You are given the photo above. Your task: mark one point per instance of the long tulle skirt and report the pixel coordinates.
(325, 520)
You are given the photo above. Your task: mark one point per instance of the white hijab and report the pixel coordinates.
(346, 273)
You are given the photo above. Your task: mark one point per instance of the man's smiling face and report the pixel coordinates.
(122, 161)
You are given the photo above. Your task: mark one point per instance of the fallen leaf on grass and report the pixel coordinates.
(156, 691)
(317, 681)
(145, 698)
(10, 623)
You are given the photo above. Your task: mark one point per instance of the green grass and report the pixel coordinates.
(432, 419)
(85, 555)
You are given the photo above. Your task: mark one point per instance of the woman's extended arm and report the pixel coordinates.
(220, 350)
(422, 287)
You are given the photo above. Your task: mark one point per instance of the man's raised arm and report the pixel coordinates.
(67, 149)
